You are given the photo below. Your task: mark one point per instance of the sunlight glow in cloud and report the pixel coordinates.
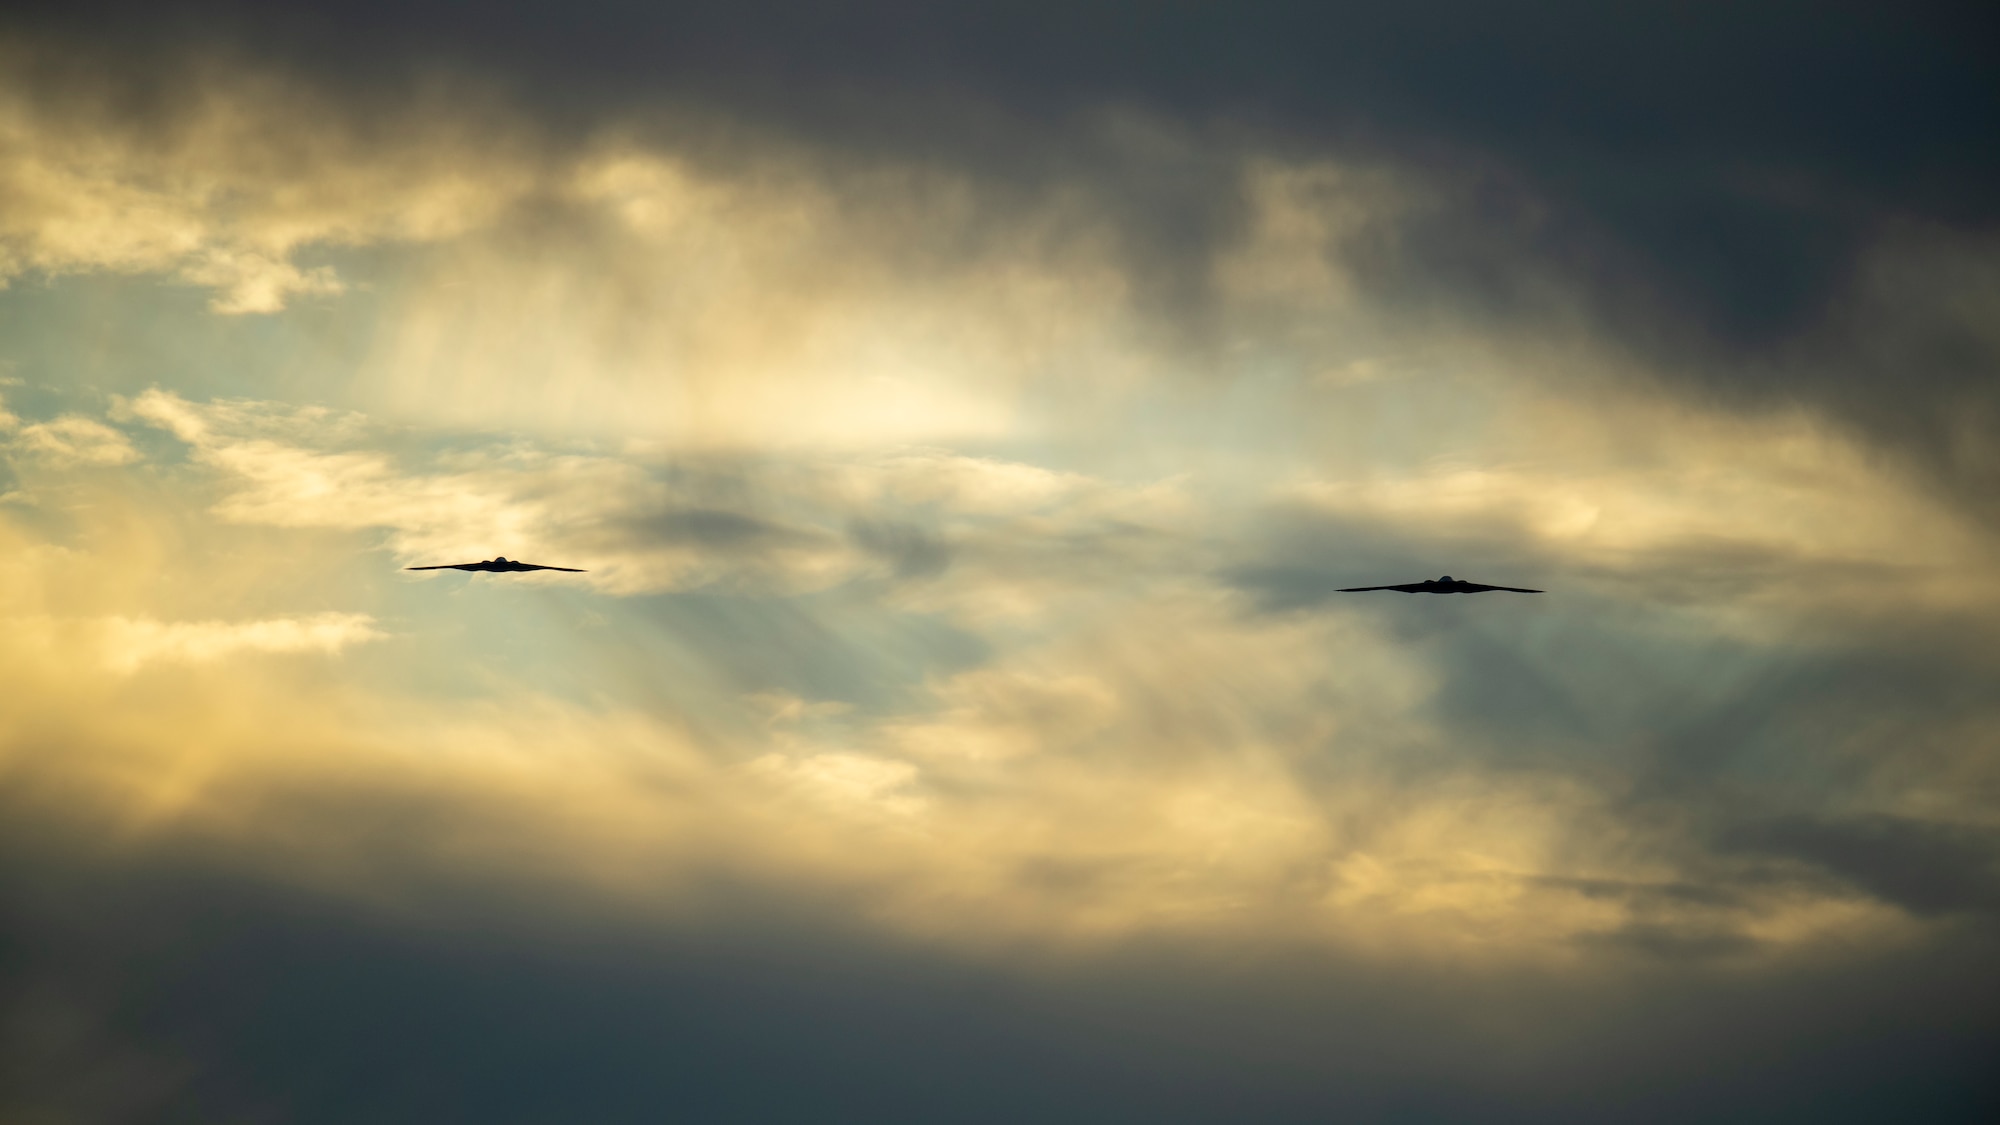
(130, 644)
(964, 545)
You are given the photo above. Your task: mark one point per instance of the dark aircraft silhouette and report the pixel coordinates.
(1445, 585)
(501, 565)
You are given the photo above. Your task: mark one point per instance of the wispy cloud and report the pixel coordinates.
(640, 525)
(964, 518)
(253, 170)
(130, 644)
(69, 440)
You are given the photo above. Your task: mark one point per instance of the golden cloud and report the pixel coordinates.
(795, 377)
(248, 170)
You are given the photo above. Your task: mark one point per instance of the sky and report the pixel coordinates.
(966, 418)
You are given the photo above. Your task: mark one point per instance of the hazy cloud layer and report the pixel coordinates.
(965, 441)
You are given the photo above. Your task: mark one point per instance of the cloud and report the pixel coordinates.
(251, 170)
(124, 645)
(963, 482)
(69, 440)
(783, 297)
(1421, 795)
(1126, 754)
(794, 290)
(488, 991)
(129, 644)
(1585, 483)
(1782, 262)
(1921, 865)
(798, 523)
(255, 283)
(1709, 160)
(1129, 752)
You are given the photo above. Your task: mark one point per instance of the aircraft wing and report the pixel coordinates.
(495, 568)
(1407, 588)
(1479, 589)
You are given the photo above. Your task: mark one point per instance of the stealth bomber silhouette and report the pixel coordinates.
(1445, 585)
(501, 565)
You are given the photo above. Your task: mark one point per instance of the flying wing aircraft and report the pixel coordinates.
(1445, 585)
(501, 565)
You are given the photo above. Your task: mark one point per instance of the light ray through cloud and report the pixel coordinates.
(960, 639)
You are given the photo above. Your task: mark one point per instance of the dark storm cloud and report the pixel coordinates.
(1707, 179)
(1739, 146)
(1911, 356)
(1603, 678)
(1922, 866)
(171, 989)
(912, 550)
(714, 529)
(1774, 202)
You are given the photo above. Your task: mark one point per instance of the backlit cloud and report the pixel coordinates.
(963, 475)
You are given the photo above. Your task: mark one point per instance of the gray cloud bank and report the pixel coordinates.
(1720, 813)
(1718, 796)
(1782, 201)
(1741, 147)
(162, 990)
